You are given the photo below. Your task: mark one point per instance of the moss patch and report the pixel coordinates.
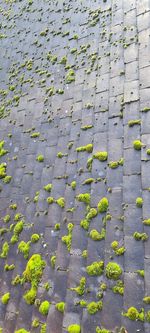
(113, 271)
(96, 268)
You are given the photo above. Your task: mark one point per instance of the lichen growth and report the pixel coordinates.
(96, 268)
(103, 205)
(113, 271)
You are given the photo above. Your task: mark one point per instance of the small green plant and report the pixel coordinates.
(22, 330)
(30, 296)
(53, 261)
(34, 270)
(35, 135)
(118, 288)
(148, 151)
(5, 298)
(60, 307)
(84, 197)
(132, 313)
(70, 77)
(140, 272)
(139, 202)
(113, 271)
(146, 299)
(6, 218)
(146, 222)
(103, 205)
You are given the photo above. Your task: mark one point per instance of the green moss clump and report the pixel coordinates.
(84, 254)
(63, 60)
(81, 288)
(88, 181)
(103, 205)
(18, 228)
(13, 206)
(5, 298)
(118, 288)
(114, 245)
(50, 200)
(7, 179)
(74, 328)
(148, 151)
(40, 158)
(60, 306)
(91, 214)
(30, 296)
(140, 272)
(146, 222)
(146, 299)
(53, 261)
(5, 250)
(67, 239)
(73, 185)
(59, 154)
(3, 170)
(88, 148)
(44, 308)
(140, 236)
(2, 150)
(89, 163)
(48, 187)
(118, 250)
(9, 267)
(24, 248)
(35, 238)
(101, 156)
(113, 271)
(35, 323)
(6, 218)
(34, 270)
(94, 307)
(137, 144)
(84, 197)
(132, 313)
(97, 236)
(96, 268)
(61, 202)
(113, 164)
(131, 123)
(139, 202)
(147, 316)
(70, 77)
(43, 328)
(35, 135)
(85, 224)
